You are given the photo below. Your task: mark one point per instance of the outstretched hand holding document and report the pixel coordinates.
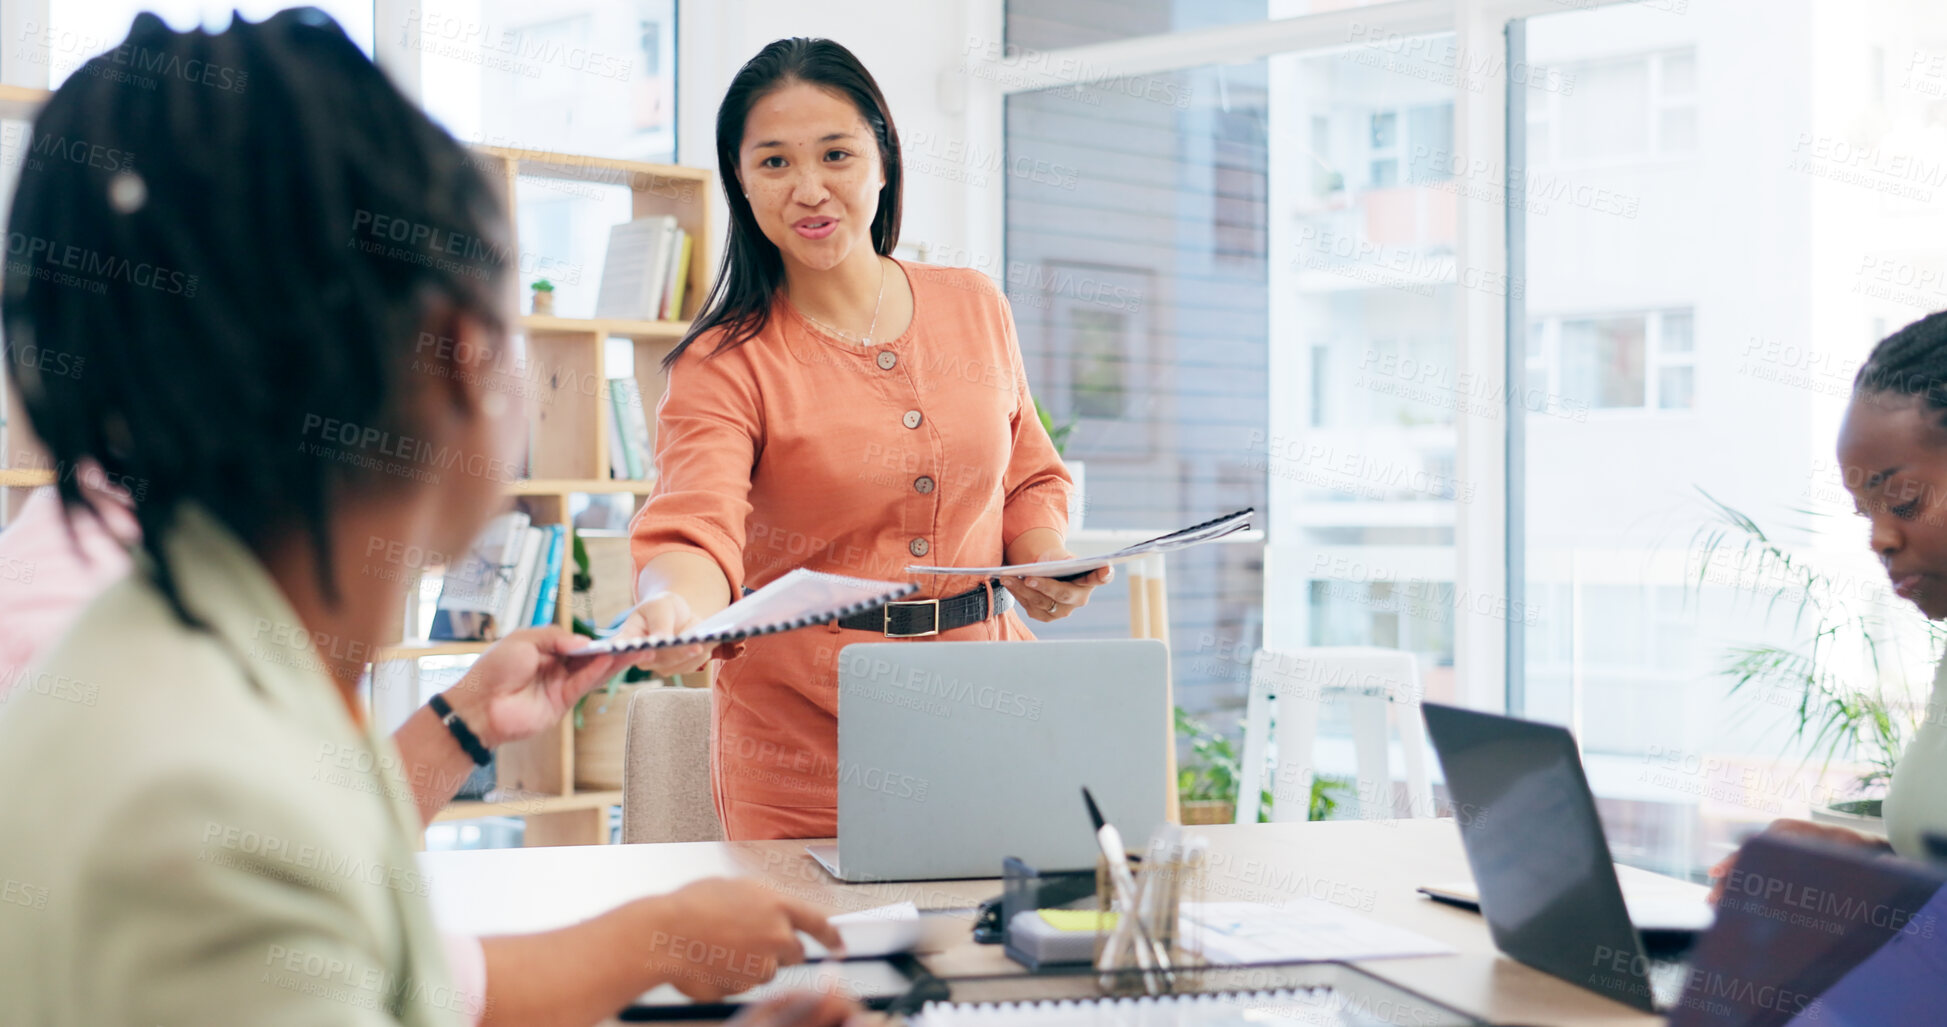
(1195, 535)
(795, 600)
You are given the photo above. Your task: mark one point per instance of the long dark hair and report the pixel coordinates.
(237, 254)
(753, 270)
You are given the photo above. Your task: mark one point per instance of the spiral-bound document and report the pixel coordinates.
(1194, 535)
(1310, 1007)
(1287, 995)
(798, 599)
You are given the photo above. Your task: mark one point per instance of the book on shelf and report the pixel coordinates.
(618, 454)
(548, 592)
(474, 592)
(636, 271)
(510, 579)
(679, 277)
(632, 423)
(519, 605)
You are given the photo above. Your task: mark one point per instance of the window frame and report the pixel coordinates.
(1656, 357)
(1656, 104)
(1487, 532)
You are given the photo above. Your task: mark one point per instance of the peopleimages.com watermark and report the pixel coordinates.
(40, 152)
(1869, 166)
(1316, 462)
(65, 263)
(362, 986)
(1020, 66)
(373, 448)
(521, 51)
(24, 895)
(89, 53)
(1438, 384)
(1438, 59)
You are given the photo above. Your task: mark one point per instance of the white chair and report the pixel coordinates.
(666, 794)
(1289, 686)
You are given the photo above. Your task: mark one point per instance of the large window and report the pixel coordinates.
(1136, 267)
(1706, 214)
(1215, 220)
(1652, 305)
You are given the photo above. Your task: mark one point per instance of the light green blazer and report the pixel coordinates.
(193, 831)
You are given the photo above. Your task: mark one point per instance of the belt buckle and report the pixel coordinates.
(886, 626)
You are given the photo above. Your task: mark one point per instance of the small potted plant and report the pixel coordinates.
(1058, 434)
(1206, 787)
(543, 297)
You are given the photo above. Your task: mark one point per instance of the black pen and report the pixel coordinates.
(926, 988)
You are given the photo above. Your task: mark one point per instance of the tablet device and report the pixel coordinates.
(872, 983)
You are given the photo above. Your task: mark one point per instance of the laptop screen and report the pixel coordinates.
(1547, 885)
(1808, 933)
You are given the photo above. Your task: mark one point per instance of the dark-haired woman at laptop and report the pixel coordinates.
(1893, 459)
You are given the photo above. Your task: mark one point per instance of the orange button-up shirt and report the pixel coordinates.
(797, 449)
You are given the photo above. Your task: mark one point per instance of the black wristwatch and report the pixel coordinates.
(461, 732)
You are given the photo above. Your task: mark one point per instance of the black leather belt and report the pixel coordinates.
(918, 618)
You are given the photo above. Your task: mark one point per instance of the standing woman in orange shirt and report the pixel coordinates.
(836, 409)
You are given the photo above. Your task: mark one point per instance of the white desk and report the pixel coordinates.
(1373, 866)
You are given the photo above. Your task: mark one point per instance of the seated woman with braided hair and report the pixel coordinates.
(1893, 459)
(203, 826)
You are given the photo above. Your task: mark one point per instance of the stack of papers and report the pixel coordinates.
(1236, 933)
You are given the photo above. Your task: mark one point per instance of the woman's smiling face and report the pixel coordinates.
(1893, 459)
(811, 168)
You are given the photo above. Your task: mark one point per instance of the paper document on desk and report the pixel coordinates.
(1194, 535)
(879, 931)
(1302, 929)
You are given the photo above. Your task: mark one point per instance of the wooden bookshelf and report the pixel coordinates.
(21, 102)
(25, 479)
(423, 649)
(650, 331)
(569, 411)
(498, 804)
(579, 486)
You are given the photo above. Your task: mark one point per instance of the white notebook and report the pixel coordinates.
(799, 599)
(1312, 1007)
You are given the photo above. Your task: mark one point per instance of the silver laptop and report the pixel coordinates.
(955, 755)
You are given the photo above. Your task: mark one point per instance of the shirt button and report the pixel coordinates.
(917, 547)
(923, 484)
(887, 358)
(911, 420)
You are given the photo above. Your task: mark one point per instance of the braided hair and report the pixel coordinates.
(1910, 362)
(234, 237)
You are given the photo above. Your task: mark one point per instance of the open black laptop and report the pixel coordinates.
(1811, 934)
(1547, 885)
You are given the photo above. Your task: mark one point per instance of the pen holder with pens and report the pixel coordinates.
(1142, 946)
